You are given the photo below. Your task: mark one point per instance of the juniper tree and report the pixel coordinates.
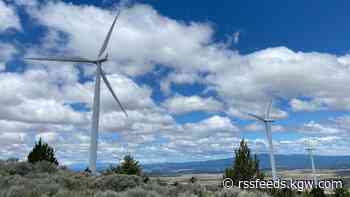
(42, 152)
(245, 167)
(128, 166)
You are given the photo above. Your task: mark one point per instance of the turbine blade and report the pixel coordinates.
(268, 109)
(256, 117)
(60, 59)
(105, 43)
(111, 90)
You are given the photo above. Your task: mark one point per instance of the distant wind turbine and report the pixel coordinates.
(310, 150)
(267, 122)
(96, 103)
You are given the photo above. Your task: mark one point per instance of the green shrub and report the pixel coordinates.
(20, 168)
(286, 192)
(233, 192)
(139, 192)
(154, 186)
(44, 179)
(21, 191)
(236, 192)
(117, 182)
(42, 152)
(48, 189)
(45, 166)
(68, 193)
(70, 182)
(107, 193)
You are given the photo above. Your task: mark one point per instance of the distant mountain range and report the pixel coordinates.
(285, 162)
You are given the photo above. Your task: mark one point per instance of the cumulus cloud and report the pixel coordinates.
(283, 73)
(138, 42)
(238, 79)
(236, 37)
(179, 78)
(181, 104)
(259, 126)
(326, 129)
(53, 100)
(301, 105)
(8, 17)
(6, 52)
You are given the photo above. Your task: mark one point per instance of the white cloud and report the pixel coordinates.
(37, 101)
(213, 124)
(301, 105)
(6, 52)
(138, 42)
(48, 137)
(179, 78)
(8, 17)
(283, 73)
(258, 126)
(313, 127)
(239, 79)
(236, 36)
(181, 104)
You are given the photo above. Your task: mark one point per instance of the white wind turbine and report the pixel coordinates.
(310, 149)
(96, 103)
(267, 122)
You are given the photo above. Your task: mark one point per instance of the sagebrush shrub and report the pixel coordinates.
(117, 182)
(21, 191)
(70, 182)
(154, 186)
(69, 193)
(139, 192)
(45, 166)
(107, 193)
(44, 179)
(21, 168)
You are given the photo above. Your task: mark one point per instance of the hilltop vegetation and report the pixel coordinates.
(41, 176)
(46, 179)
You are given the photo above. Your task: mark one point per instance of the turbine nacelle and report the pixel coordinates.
(266, 119)
(96, 102)
(101, 60)
(261, 118)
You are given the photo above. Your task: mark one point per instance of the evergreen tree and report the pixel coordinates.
(341, 192)
(128, 166)
(244, 167)
(42, 152)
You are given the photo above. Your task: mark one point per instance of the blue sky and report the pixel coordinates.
(188, 74)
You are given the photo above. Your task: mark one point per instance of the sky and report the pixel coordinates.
(187, 74)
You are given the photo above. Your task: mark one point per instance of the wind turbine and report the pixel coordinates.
(96, 103)
(310, 150)
(267, 122)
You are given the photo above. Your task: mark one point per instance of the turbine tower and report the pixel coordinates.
(310, 150)
(267, 122)
(96, 102)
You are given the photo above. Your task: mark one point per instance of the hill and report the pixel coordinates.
(283, 162)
